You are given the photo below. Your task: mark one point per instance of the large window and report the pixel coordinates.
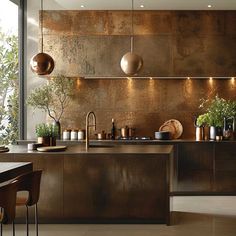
(9, 72)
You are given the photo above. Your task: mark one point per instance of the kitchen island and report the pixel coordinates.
(125, 183)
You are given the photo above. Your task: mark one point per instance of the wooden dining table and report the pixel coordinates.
(10, 170)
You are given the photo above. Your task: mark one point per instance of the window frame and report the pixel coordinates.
(22, 17)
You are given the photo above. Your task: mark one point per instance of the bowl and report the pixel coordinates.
(162, 135)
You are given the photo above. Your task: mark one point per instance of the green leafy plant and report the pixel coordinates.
(203, 120)
(216, 109)
(46, 130)
(53, 97)
(9, 88)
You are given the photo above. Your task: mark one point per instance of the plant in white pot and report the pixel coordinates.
(53, 98)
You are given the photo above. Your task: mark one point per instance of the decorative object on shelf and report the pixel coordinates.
(42, 63)
(217, 110)
(46, 134)
(174, 127)
(131, 63)
(53, 97)
(51, 149)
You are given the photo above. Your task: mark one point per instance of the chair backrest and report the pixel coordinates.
(8, 201)
(30, 182)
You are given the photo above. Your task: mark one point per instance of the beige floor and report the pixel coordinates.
(186, 224)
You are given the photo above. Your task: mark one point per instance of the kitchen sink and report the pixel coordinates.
(100, 146)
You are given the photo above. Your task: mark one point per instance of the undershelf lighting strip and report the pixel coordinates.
(154, 77)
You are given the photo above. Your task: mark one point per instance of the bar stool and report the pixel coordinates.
(29, 182)
(8, 204)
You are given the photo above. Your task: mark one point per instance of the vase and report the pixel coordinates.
(212, 132)
(58, 125)
(199, 133)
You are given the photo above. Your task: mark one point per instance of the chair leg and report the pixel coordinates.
(36, 220)
(27, 220)
(1, 229)
(13, 228)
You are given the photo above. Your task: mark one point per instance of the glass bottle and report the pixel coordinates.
(113, 129)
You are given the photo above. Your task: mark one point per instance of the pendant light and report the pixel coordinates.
(131, 63)
(42, 63)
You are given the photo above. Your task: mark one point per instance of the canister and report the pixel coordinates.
(74, 134)
(80, 134)
(66, 134)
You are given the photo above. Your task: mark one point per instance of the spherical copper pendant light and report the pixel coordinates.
(131, 63)
(42, 63)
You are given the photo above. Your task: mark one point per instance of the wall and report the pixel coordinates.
(171, 43)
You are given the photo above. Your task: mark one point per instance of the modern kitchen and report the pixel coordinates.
(126, 115)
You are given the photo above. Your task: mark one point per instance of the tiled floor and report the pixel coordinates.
(186, 224)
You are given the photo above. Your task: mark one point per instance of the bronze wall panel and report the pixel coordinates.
(171, 43)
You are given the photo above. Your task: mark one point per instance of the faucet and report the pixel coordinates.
(89, 125)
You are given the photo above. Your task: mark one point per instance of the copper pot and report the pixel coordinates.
(124, 132)
(101, 136)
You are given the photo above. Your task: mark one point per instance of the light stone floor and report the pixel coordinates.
(185, 224)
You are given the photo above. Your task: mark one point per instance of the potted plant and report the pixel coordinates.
(46, 134)
(53, 97)
(217, 110)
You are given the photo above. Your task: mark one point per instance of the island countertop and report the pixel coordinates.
(99, 149)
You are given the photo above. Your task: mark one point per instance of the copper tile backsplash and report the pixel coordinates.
(142, 104)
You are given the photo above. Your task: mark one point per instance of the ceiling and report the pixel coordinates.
(148, 4)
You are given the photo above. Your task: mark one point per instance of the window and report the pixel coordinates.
(9, 72)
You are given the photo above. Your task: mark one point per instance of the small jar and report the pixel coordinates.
(74, 134)
(80, 134)
(66, 134)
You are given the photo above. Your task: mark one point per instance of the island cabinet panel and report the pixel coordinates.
(50, 203)
(195, 167)
(116, 187)
(225, 167)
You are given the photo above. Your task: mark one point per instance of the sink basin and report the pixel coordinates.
(100, 146)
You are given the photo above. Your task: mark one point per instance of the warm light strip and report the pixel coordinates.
(153, 77)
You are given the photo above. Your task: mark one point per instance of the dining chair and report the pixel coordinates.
(8, 193)
(29, 182)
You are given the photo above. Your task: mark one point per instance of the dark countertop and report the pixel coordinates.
(151, 141)
(116, 149)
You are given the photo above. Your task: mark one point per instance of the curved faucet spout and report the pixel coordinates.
(91, 113)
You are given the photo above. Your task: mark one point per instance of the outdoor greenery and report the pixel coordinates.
(215, 111)
(53, 97)
(9, 88)
(46, 130)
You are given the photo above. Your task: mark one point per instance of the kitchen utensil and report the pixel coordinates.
(124, 132)
(162, 135)
(101, 136)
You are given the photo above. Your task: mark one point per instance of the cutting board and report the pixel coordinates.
(51, 148)
(4, 149)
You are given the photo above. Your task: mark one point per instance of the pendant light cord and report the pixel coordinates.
(41, 21)
(132, 28)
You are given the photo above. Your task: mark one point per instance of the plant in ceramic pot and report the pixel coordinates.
(217, 110)
(46, 134)
(53, 98)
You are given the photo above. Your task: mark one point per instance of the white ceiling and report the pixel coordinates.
(148, 4)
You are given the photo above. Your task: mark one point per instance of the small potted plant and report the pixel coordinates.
(46, 134)
(53, 98)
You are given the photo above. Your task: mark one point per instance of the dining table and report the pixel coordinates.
(10, 170)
